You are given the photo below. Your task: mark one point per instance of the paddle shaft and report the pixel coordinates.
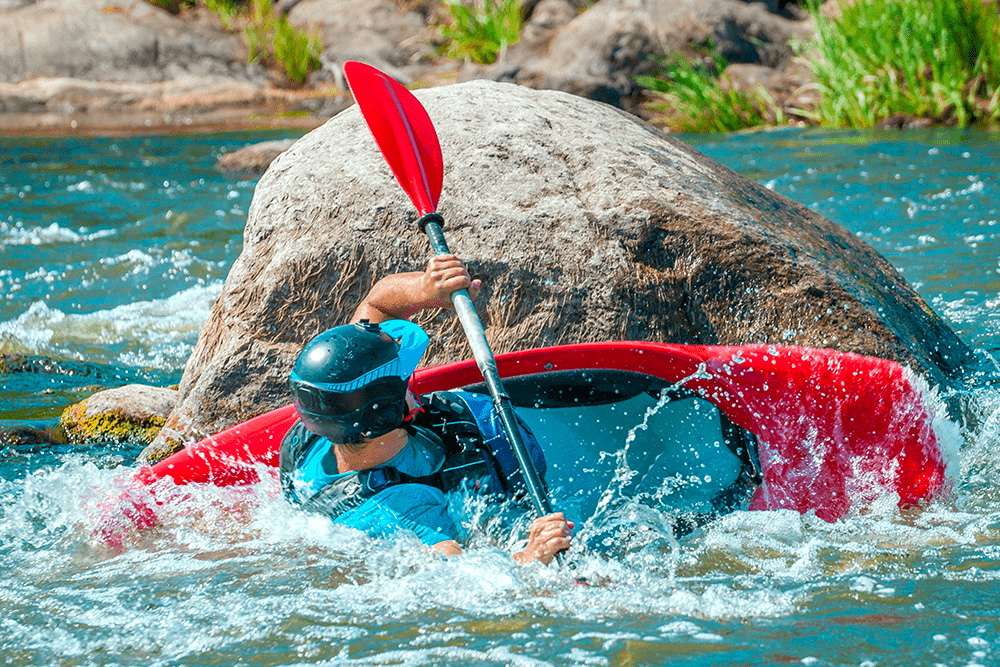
(473, 327)
(406, 136)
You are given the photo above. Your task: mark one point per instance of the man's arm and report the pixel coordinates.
(402, 295)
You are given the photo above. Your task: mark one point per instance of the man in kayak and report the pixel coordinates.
(369, 454)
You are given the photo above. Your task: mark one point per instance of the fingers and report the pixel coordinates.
(446, 274)
(548, 536)
(447, 267)
(552, 525)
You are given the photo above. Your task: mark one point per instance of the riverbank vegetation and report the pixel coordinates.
(269, 38)
(697, 96)
(482, 29)
(937, 60)
(881, 62)
(871, 62)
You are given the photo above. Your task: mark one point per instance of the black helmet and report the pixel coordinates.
(349, 383)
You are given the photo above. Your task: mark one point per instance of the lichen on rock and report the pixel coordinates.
(132, 414)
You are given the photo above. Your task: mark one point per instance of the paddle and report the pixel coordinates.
(405, 135)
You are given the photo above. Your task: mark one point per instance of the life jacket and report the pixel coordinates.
(468, 427)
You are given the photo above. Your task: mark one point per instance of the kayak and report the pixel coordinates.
(704, 429)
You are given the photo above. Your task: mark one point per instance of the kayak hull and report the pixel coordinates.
(833, 429)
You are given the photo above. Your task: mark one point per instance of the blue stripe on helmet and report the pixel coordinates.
(413, 341)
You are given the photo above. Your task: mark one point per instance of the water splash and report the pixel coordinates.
(158, 333)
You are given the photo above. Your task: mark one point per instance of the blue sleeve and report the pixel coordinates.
(415, 507)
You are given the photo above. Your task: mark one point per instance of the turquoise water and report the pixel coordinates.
(112, 253)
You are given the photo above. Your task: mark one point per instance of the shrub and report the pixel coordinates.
(482, 29)
(697, 98)
(927, 58)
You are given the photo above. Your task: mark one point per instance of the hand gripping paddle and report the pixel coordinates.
(405, 135)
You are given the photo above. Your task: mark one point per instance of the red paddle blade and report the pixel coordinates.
(403, 131)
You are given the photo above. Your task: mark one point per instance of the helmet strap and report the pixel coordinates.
(412, 413)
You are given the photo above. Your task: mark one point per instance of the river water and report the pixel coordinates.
(112, 253)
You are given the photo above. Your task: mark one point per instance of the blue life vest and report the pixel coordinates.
(469, 427)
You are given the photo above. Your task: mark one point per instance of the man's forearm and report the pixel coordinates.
(395, 297)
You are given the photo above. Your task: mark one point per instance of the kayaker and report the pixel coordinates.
(370, 454)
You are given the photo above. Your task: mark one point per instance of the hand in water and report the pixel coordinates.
(548, 536)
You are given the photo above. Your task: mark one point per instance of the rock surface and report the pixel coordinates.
(114, 40)
(126, 65)
(133, 413)
(598, 54)
(113, 66)
(378, 32)
(253, 160)
(586, 225)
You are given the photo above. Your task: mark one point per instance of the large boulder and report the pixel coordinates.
(585, 223)
(126, 65)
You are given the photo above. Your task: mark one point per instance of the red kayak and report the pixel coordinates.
(798, 428)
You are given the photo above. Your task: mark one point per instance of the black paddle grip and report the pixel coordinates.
(430, 217)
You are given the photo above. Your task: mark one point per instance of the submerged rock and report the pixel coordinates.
(585, 223)
(253, 160)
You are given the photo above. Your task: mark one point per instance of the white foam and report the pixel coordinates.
(159, 333)
(948, 434)
(18, 234)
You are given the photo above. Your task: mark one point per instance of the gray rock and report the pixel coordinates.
(788, 86)
(8, 5)
(114, 40)
(599, 53)
(585, 223)
(377, 32)
(186, 103)
(254, 159)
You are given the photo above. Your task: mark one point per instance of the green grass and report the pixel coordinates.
(228, 12)
(272, 39)
(937, 59)
(481, 29)
(698, 98)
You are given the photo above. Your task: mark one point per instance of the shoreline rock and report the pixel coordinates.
(74, 106)
(106, 67)
(252, 160)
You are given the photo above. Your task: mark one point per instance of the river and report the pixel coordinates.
(113, 251)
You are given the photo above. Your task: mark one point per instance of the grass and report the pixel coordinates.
(936, 59)
(696, 96)
(270, 40)
(481, 29)
(228, 12)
